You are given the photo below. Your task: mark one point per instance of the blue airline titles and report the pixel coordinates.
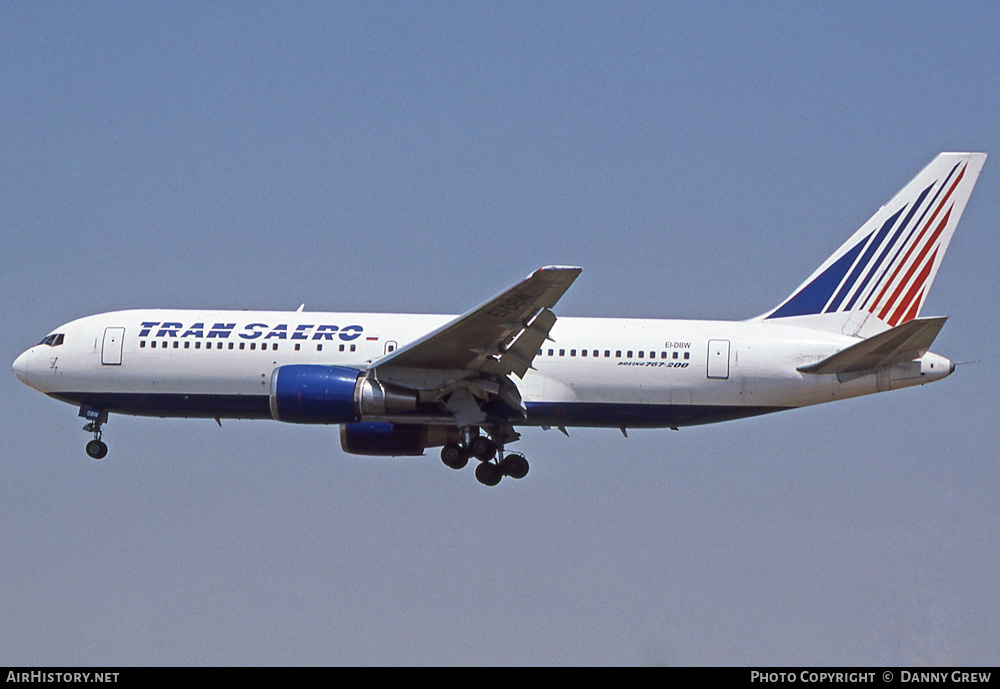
(251, 331)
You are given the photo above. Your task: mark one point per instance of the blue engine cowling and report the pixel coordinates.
(383, 439)
(314, 394)
(309, 393)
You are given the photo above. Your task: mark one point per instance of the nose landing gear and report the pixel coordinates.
(96, 449)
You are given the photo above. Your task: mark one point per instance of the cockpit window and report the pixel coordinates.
(53, 340)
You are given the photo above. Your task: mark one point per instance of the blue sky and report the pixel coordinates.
(697, 159)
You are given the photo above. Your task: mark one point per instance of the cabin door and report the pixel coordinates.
(111, 352)
(718, 358)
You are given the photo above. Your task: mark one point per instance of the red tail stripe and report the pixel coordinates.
(899, 266)
(913, 266)
(917, 284)
(912, 313)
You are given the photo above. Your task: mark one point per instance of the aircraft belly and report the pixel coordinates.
(183, 405)
(613, 415)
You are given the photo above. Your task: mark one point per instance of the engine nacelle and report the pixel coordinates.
(307, 393)
(383, 439)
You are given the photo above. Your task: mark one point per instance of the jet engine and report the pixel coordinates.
(308, 393)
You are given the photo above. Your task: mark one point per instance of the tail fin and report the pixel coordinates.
(880, 277)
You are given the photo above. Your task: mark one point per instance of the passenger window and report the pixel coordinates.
(253, 345)
(319, 348)
(583, 352)
(187, 345)
(687, 355)
(353, 347)
(675, 355)
(618, 354)
(630, 354)
(640, 353)
(562, 352)
(607, 353)
(551, 352)
(341, 348)
(177, 344)
(243, 345)
(572, 352)
(297, 346)
(142, 344)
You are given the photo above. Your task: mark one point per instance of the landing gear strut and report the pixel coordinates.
(493, 465)
(96, 449)
(489, 472)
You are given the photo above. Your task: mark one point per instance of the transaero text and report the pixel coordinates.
(252, 331)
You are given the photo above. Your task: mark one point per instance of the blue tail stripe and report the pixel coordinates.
(879, 266)
(813, 297)
(864, 262)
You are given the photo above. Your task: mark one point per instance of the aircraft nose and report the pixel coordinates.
(21, 368)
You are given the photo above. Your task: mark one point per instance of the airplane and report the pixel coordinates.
(398, 384)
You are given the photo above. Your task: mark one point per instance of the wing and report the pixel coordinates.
(498, 331)
(468, 360)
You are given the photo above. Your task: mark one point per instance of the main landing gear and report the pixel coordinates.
(493, 465)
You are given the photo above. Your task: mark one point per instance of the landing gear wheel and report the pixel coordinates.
(515, 466)
(483, 448)
(97, 449)
(454, 456)
(488, 473)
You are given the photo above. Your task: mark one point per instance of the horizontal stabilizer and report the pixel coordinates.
(905, 342)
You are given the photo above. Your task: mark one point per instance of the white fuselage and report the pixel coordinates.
(593, 372)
